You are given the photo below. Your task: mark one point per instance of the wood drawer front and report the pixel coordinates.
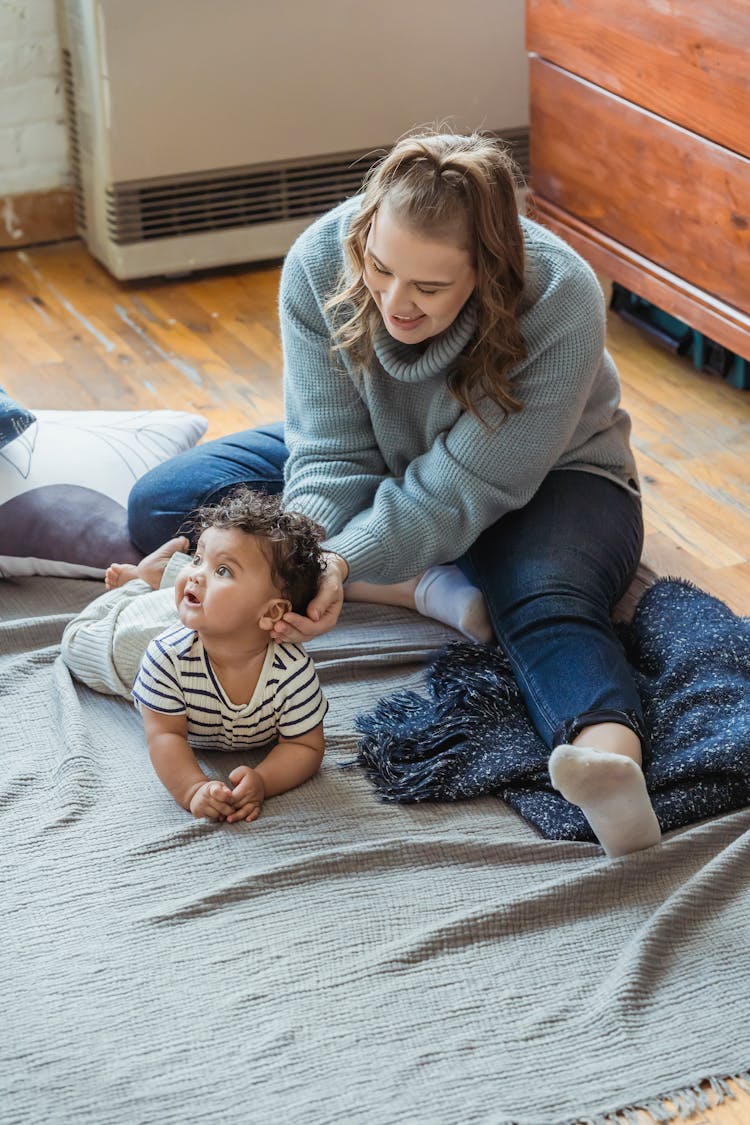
(673, 197)
(688, 61)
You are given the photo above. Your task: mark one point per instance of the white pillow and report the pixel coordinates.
(65, 481)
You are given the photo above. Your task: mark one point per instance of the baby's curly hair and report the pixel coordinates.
(294, 551)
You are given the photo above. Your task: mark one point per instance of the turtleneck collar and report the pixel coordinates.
(409, 364)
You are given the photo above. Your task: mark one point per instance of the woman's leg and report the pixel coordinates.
(442, 592)
(397, 593)
(551, 574)
(162, 499)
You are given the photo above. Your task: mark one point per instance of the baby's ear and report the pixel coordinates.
(274, 612)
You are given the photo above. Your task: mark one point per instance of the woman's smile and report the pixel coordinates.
(419, 284)
(406, 322)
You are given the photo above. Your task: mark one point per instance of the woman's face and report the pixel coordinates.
(419, 285)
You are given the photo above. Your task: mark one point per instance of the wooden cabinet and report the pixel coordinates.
(640, 148)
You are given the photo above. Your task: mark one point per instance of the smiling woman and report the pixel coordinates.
(453, 226)
(449, 399)
(415, 310)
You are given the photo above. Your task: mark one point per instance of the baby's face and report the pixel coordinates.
(226, 589)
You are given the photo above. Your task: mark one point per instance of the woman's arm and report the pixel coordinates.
(334, 464)
(323, 611)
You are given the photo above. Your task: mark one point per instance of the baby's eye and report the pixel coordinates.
(196, 560)
(223, 572)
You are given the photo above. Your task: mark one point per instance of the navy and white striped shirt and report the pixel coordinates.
(176, 678)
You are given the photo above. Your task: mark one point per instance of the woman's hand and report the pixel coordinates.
(323, 611)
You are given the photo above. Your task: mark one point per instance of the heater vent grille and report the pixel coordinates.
(74, 140)
(138, 213)
(240, 198)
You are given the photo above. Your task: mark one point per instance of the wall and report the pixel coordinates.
(33, 144)
(35, 199)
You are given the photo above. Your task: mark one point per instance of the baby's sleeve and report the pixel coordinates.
(157, 685)
(299, 702)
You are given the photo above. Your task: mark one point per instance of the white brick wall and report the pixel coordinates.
(33, 142)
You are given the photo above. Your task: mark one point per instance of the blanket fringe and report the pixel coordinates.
(677, 1106)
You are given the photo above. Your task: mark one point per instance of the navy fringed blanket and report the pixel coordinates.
(472, 735)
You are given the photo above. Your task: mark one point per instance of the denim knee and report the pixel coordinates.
(161, 500)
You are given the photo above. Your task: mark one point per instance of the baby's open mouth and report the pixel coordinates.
(191, 599)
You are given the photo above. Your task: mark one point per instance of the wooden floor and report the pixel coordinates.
(73, 338)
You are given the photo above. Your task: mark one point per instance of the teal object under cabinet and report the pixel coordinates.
(680, 338)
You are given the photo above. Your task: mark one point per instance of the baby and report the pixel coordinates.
(215, 680)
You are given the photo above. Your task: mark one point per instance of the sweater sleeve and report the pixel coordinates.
(334, 465)
(475, 472)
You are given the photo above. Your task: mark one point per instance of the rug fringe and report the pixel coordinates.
(676, 1106)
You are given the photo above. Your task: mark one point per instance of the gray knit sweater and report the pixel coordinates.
(397, 473)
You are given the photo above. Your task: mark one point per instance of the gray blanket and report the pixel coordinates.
(339, 960)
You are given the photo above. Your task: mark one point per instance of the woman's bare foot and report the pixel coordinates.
(149, 569)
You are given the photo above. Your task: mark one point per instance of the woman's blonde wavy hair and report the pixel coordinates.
(446, 186)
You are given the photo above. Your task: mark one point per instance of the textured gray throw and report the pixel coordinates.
(340, 961)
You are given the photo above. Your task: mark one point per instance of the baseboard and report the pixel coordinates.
(37, 216)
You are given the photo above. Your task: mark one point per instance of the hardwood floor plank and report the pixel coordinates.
(731, 584)
(28, 338)
(724, 478)
(682, 512)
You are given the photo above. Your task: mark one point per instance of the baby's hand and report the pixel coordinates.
(248, 794)
(213, 799)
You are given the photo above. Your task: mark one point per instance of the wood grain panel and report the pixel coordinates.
(686, 61)
(678, 200)
(721, 322)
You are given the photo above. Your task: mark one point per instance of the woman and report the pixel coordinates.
(448, 397)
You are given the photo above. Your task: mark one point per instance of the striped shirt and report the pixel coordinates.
(176, 678)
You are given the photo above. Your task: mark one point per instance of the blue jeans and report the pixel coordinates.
(550, 573)
(160, 501)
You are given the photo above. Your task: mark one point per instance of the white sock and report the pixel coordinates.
(445, 593)
(611, 791)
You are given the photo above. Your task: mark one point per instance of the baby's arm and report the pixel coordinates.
(290, 763)
(178, 770)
